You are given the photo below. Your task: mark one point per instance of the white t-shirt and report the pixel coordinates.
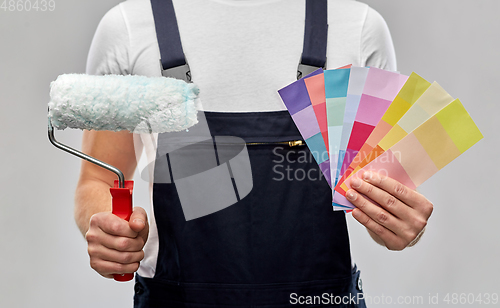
(240, 53)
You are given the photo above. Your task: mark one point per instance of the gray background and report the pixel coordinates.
(43, 258)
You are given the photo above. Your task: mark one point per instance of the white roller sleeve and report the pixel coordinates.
(116, 102)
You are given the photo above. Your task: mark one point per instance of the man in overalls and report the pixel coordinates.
(282, 243)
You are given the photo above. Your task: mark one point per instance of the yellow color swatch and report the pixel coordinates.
(416, 87)
(463, 131)
(433, 100)
(395, 111)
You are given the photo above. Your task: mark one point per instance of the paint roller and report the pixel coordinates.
(138, 104)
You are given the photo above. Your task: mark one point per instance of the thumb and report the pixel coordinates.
(139, 222)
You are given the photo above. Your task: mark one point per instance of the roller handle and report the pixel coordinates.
(122, 207)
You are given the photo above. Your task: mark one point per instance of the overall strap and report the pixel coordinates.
(172, 60)
(315, 37)
(174, 64)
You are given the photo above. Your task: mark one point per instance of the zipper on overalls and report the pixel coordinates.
(291, 143)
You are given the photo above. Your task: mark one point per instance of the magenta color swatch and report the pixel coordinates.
(371, 109)
(360, 132)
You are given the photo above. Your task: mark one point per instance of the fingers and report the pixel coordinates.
(380, 218)
(119, 243)
(390, 210)
(108, 262)
(115, 245)
(407, 196)
(106, 254)
(139, 222)
(112, 224)
(391, 240)
(387, 201)
(108, 269)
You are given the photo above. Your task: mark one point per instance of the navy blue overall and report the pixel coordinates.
(280, 246)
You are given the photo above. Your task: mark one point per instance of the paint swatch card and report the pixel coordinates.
(316, 90)
(427, 149)
(380, 89)
(357, 80)
(336, 84)
(298, 102)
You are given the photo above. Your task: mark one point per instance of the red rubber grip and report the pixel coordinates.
(122, 207)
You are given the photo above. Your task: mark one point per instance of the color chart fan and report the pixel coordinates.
(362, 119)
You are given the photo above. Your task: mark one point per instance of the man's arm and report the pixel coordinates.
(114, 245)
(396, 217)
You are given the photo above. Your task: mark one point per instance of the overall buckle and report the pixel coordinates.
(179, 72)
(304, 70)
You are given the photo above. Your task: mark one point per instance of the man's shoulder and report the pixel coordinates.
(347, 12)
(348, 5)
(134, 11)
